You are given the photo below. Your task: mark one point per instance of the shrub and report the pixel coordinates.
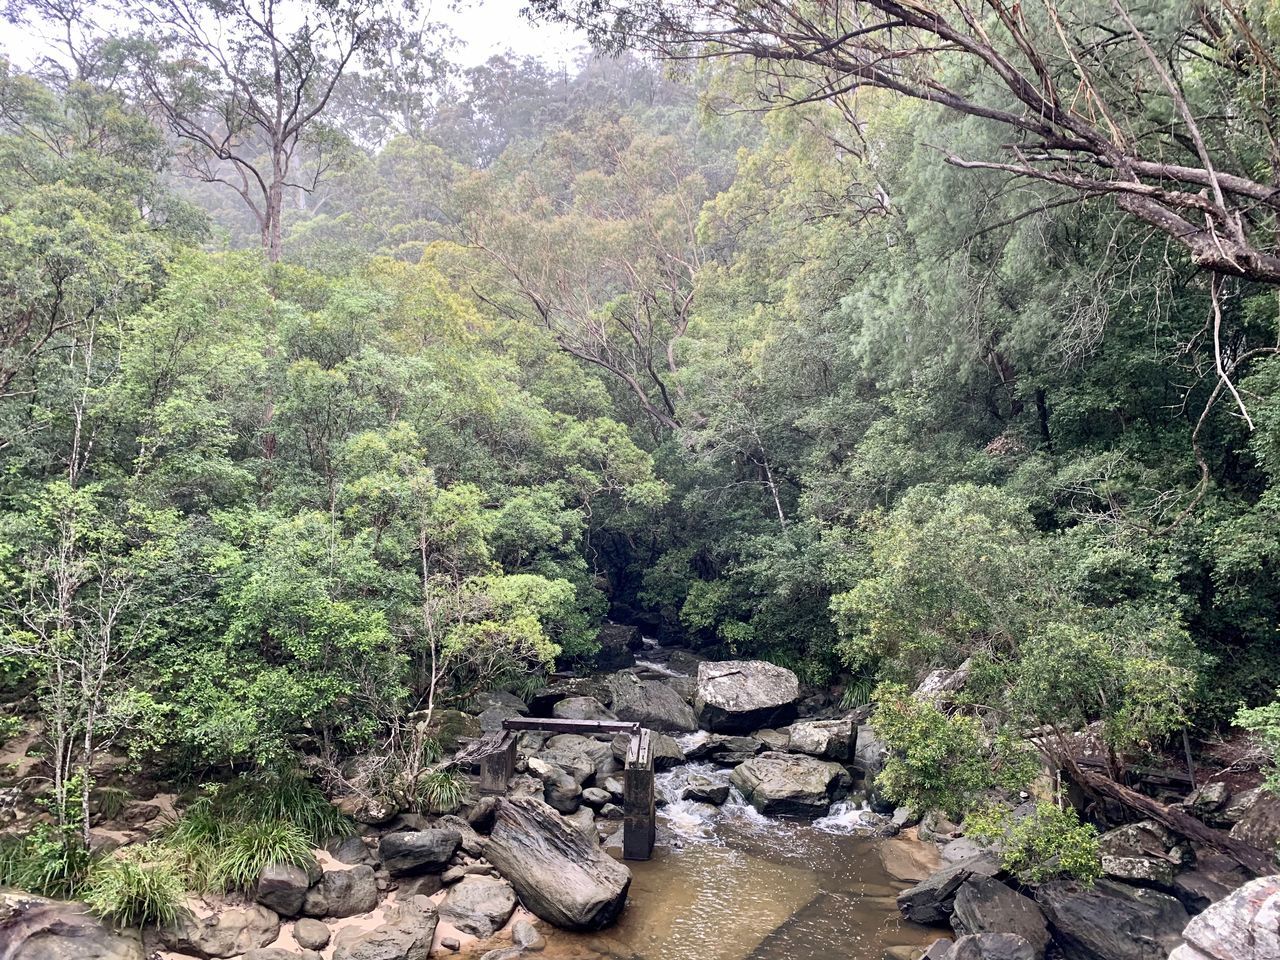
(136, 886)
(10, 727)
(253, 847)
(442, 791)
(1050, 843)
(49, 861)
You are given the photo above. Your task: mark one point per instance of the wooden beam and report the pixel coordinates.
(639, 814)
(498, 765)
(584, 727)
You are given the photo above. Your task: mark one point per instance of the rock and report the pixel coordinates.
(450, 728)
(584, 821)
(311, 934)
(1238, 805)
(371, 811)
(738, 696)
(869, 752)
(451, 943)
(934, 826)
(226, 934)
(1207, 800)
(785, 784)
(615, 788)
(419, 851)
(595, 798)
(686, 688)
(582, 708)
(502, 953)
(405, 934)
(1215, 875)
(611, 811)
(560, 875)
(561, 791)
(479, 905)
(342, 893)
(526, 936)
(705, 790)
(618, 645)
(569, 745)
(350, 850)
(543, 701)
(938, 950)
(666, 752)
(931, 900)
(1142, 871)
(1243, 926)
(963, 848)
(280, 953)
(938, 683)
(1146, 838)
(426, 885)
(828, 739)
(500, 698)
(1260, 824)
(1109, 921)
(908, 860)
(984, 905)
(282, 887)
(36, 928)
(993, 946)
(652, 704)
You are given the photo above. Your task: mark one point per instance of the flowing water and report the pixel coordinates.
(731, 884)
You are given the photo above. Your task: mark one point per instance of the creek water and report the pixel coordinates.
(730, 884)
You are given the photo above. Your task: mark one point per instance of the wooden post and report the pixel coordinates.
(639, 823)
(499, 765)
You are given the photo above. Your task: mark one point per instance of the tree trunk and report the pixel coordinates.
(271, 223)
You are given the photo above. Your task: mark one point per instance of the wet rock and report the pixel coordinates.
(827, 739)
(311, 934)
(686, 688)
(985, 905)
(652, 704)
(1215, 875)
(282, 888)
(705, 790)
(582, 708)
(738, 696)
(932, 900)
(618, 645)
(405, 934)
(908, 860)
(869, 752)
(993, 946)
(342, 893)
(37, 928)
(526, 936)
(1243, 926)
(479, 905)
(1260, 823)
(1110, 921)
(560, 875)
(226, 934)
(419, 851)
(785, 784)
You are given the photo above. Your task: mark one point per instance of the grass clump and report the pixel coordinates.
(136, 886)
(49, 861)
(442, 791)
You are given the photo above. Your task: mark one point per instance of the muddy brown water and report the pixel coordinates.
(729, 884)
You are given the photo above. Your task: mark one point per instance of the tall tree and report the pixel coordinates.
(244, 85)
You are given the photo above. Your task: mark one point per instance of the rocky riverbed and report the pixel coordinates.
(767, 848)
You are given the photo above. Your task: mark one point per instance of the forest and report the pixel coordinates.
(344, 385)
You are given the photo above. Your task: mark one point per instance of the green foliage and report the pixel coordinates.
(48, 860)
(442, 791)
(942, 761)
(137, 886)
(10, 727)
(249, 848)
(1264, 723)
(1049, 843)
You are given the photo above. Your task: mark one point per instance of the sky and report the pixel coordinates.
(485, 27)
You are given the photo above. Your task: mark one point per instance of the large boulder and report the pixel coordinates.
(869, 752)
(985, 905)
(342, 893)
(618, 645)
(544, 700)
(1260, 823)
(36, 928)
(1110, 921)
(405, 934)
(479, 905)
(651, 703)
(419, 851)
(828, 739)
(282, 887)
(785, 784)
(582, 708)
(738, 696)
(932, 900)
(560, 875)
(598, 752)
(1243, 926)
(228, 933)
(1215, 875)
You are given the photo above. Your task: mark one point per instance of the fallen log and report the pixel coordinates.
(1259, 862)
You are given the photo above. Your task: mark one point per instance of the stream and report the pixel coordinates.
(730, 884)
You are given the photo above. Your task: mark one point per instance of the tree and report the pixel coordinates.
(244, 85)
